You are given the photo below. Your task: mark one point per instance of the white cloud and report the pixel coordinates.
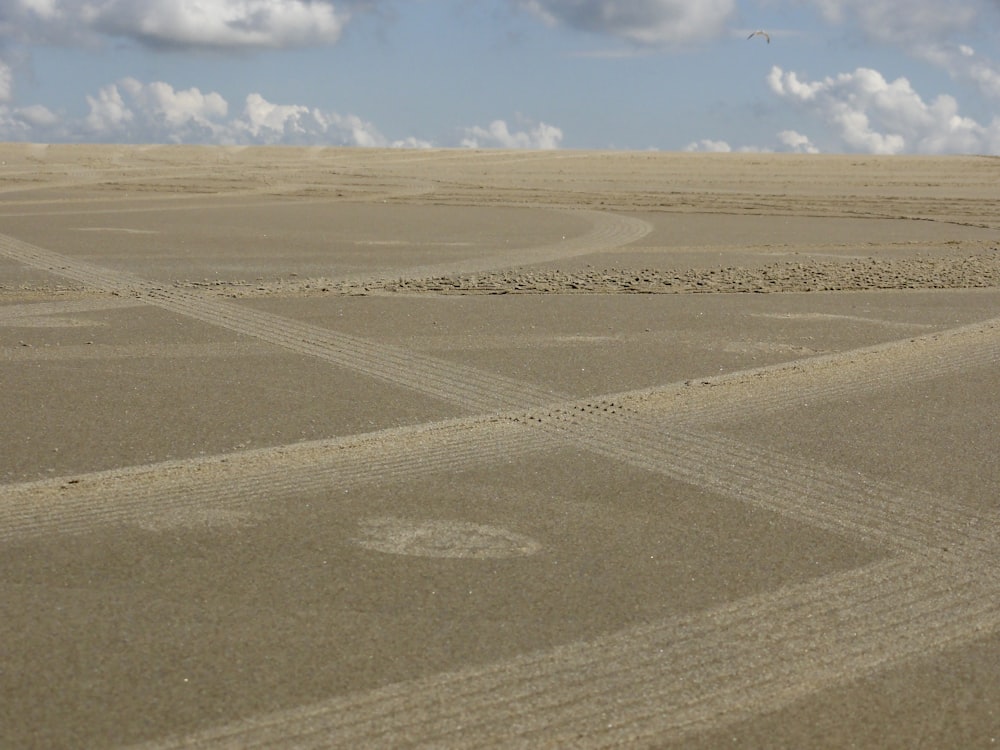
(108, 111)
(265, 122)
(160, 102)
(217, 24)
(797, 142)
(37, 116)
(498, 135)
(27, 123)
(355, 131)
(871, 114)
(131, 111)
(640, 21)
(154, 111)
(708, 145)
(927, 30)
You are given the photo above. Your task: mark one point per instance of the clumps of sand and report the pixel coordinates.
(802, 276)
(980, 270)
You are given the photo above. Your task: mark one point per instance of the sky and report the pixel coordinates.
(831, 76)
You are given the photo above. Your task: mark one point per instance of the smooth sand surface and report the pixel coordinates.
(375, 448)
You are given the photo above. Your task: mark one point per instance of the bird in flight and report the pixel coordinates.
(761, 33)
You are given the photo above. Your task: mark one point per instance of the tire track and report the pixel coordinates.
(170, 493)
(475, 390)
(180, 184)
(458, 384)
(889, 515)
(843, 503)
(97, 277)
(454, 383)
(893, 516)
(62, 307)
(651, 684)
(79, 352)
(608, 690)
(788, 385)
(463, 386)
(608, 231)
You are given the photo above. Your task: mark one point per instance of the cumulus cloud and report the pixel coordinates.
(262, 119)
(928, 30)
(131, 111)
(498, 135)
(265, 122)
(874, 115)
(710, 146)
(216, 24)
(28, 123)
(162, 103)
(797, 142)
(108, 111)
(651, 22)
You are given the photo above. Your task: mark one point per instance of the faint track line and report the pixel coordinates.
(81, 352)
(839, 502)
(669, 679)
(464, 386)
(455, 383)
(796, 489)
(608, 230)
(84, 502)
(654, 683)
(828, 377)
(63, 307)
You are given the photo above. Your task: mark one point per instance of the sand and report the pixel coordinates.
(311, 447)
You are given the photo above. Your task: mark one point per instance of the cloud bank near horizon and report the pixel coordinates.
(132, 111)
(857, 110)
(877, 116)
(866, 112)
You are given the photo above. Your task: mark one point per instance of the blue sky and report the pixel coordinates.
(839, 76)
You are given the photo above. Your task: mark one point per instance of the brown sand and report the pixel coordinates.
(358, 448)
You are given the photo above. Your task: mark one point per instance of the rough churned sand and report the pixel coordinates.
(376, 448)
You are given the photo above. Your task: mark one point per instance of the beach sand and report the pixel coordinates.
(309, 447)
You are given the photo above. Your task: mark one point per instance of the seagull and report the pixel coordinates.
(761, 33)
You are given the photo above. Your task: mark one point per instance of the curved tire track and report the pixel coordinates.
(608, 231)
(464, 386)
(455, 383)
(676, 445)
(675, 677)
(647, 685)
(628, 434)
